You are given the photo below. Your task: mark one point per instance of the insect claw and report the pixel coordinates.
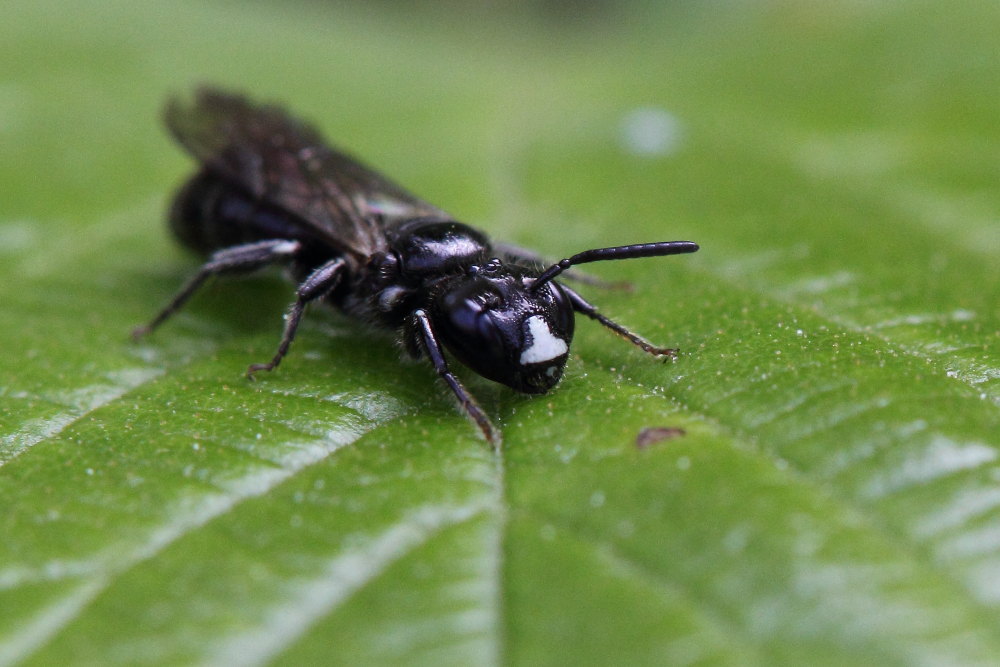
(254, 368)
(141, 332)
(492, 435)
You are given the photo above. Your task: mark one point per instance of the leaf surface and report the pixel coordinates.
(830, 493)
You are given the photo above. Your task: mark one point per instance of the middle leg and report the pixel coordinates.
(319, 283)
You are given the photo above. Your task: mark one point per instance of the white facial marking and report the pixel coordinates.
(545, 346)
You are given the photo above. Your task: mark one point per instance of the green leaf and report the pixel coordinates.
(832, 495)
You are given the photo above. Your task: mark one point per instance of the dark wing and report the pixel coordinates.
(285, 162)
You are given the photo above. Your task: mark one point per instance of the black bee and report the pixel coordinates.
(271, 191)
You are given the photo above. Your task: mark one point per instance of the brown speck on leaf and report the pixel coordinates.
(652, 435)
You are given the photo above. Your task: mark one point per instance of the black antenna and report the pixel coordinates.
(617, 252)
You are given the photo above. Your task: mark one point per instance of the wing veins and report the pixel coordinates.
(285, 162)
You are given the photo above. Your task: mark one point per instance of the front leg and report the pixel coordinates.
(427, 341)
(581, 305)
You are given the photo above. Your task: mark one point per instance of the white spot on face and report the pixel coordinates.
(545, 346)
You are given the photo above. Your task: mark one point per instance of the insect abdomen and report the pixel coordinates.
(209, 213)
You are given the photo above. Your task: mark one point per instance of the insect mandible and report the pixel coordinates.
(271, 191)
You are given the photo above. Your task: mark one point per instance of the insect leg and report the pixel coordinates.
(319, 283)
(236, 259)
(581, 305)
(427, 340)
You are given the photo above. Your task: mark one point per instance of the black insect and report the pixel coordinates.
(271, 191)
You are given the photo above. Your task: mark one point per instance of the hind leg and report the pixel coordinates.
(236, 259)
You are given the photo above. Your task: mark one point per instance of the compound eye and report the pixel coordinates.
(470, 330)
(561, 309)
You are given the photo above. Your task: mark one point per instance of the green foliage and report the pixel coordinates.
(835, 497)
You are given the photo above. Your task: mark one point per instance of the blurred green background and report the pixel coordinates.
(834, 498)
